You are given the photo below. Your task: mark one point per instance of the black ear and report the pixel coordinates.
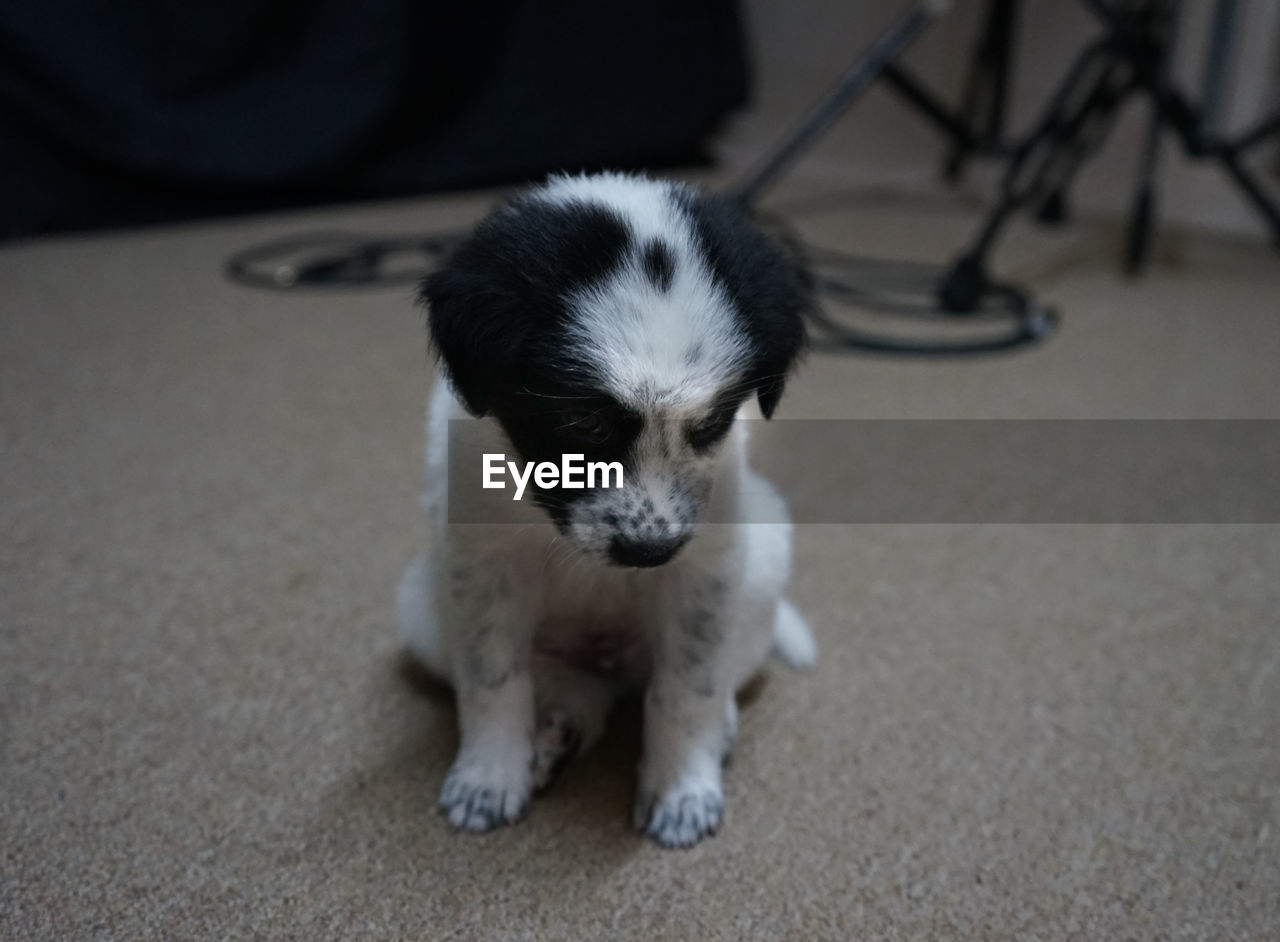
(770, 291)
(501, 294)
(476, 326)
(775, 304)
(771, 369)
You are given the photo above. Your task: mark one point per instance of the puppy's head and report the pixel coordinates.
(625, 320)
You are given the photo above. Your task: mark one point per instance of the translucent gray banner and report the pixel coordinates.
(972, 471)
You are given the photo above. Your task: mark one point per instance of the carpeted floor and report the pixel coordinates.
(1014, 732)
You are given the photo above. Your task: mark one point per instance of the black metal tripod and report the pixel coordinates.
(976, 130)
(1133, 57)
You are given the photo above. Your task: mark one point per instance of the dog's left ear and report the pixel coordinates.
(769, 290)
(779, 338)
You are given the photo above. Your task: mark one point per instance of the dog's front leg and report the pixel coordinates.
(491, 779)
(679, 799)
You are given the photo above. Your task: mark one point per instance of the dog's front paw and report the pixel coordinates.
(480, 796)
(681, 817)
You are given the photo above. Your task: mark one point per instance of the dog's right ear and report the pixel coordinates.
(475, 325)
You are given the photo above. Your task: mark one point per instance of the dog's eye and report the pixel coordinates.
(588, 426)
(705, 433)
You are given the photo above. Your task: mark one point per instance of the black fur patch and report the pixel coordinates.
(538, 417)
(498, 303)
(769, 291)
(659, 264)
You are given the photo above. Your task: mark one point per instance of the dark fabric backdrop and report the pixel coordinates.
(124, 113)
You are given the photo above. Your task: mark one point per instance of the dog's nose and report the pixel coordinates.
(644, 553)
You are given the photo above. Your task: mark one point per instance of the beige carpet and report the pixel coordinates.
(1014, 732)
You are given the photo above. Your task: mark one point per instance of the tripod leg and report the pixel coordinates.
(1043, 161)
(1142, 215)
(986, 88)
(1075, 132)
(1002, 61)
(853, 83)
(1230, 155)
(1261, 201)
(1264, 130)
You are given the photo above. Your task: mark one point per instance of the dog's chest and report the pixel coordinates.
(595, 622)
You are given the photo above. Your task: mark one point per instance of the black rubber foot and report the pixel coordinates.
(961, 290)
(1053, 211)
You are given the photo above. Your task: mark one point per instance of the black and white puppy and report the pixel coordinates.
(633, 321)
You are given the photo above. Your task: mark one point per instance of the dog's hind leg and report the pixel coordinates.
(572, 706)
(730, 727)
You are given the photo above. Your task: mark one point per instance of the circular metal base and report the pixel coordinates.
(897, 307)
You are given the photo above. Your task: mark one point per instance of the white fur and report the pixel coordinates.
(638, 334)
(539, 634)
